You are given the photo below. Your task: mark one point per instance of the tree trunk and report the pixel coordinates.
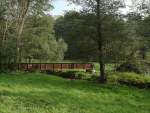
(102, 78)
(22, 8)
(18, 44)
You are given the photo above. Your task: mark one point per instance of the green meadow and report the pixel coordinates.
(41, 93)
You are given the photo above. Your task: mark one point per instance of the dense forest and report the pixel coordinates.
(27, 32)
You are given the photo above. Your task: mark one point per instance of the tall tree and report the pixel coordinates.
(100, 42)
(22, 8)
(39, 42)
(100, 8)
(13, 14)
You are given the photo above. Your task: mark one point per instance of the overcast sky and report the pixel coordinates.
(60, 6)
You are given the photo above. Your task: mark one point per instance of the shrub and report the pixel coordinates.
(74, 74)
(132, 79)
(128, 67)
(82, 75)
(69, 74)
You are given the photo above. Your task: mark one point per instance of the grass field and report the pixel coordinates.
(39, 93)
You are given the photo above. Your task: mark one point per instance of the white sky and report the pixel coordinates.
(60, 6)
(127, 9)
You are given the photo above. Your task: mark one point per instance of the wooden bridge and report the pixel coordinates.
(50, 66)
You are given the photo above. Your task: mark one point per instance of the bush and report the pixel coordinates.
(128, 67)
(69, 74)
(74, 75)
(82, 75)
(132, 79)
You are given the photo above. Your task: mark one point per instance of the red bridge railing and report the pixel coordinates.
(51, 66)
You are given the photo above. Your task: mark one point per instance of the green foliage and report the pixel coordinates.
(73, 74)
(108, 67)
(79, 32)
(128, 67)
(27, 33)
(136, 65)
(39, 93)
(132, 79)
(8, 51)
(39, 41)
(75, 31)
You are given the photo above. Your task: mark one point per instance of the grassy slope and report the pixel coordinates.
(35, 93)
